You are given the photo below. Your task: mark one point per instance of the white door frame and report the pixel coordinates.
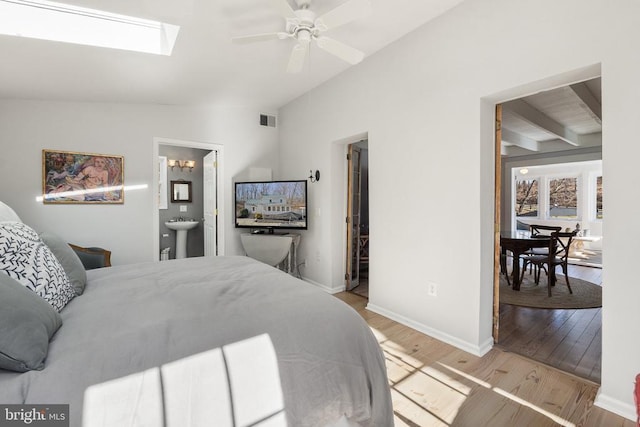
(210, 203)
(155, 214)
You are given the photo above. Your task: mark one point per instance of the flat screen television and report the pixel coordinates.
(271, 205)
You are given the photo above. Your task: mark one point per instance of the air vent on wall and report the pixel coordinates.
(266, 120)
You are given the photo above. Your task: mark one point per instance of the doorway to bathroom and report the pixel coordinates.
(194, 168)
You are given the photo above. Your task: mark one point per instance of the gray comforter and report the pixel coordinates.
(131, 318)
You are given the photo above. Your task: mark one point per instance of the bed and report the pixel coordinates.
(131, 318)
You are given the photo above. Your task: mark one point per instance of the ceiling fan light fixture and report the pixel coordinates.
(303, 35)
(304, 25)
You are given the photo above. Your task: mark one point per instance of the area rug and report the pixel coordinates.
(585, 294)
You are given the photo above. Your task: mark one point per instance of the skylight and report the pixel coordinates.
(46, 20)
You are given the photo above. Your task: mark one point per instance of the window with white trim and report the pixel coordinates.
(563, 198)
(527, 198)
(599, 197)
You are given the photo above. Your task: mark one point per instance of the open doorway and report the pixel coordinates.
(201, 175)
(357, 262)
(549, 173)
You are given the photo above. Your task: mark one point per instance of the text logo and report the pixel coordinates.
(34, 415)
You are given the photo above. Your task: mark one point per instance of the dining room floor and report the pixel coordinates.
(569, 340)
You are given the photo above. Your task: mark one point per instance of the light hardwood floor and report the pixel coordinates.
(570, 340)
(436, 384)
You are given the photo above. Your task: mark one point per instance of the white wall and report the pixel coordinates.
(27, 127)
(428, 99)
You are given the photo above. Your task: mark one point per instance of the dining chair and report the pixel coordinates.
(543, 230)
(559, 246)
(539, 230)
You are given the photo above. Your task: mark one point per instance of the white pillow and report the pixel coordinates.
(8, 214)
(25, 258)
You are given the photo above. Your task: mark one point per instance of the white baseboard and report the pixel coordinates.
(616, 406)
(474, 349)
(324, 287)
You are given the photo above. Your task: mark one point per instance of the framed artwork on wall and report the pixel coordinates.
(89, 178)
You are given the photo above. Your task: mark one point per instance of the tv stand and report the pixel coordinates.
(278, 250)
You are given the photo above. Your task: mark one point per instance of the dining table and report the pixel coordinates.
(519, 242)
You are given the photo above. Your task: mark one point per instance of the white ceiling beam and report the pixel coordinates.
(520, 140)
(535, 117)
(591, 140)
(593, 105)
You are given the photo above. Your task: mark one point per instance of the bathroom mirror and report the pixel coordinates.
(180, 191)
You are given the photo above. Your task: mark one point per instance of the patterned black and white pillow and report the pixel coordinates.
(25, 257)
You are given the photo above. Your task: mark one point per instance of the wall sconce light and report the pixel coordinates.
(188, 164)
(314, 177)
(182, 164)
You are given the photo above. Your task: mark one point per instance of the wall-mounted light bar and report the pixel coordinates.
(48, 20)
(182, 164)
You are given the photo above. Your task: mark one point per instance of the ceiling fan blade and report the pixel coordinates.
(260, 37)
(341, 50)
(347, 12)
(298, 55)
(284, 8)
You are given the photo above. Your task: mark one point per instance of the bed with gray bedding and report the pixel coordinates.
(134, 317)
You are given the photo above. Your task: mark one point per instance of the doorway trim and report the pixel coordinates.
(490, 145)
(155, 215)
(353, 219)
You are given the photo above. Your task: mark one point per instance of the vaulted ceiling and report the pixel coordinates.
(205, 67)
(561, 119)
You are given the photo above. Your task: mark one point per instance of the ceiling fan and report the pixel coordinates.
(303, 25)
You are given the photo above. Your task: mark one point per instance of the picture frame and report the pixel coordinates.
(70, 177)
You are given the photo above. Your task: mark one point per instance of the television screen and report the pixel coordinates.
(271, 205)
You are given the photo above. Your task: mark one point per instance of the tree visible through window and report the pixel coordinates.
(563, 198)
(599, 197)
(527, 197)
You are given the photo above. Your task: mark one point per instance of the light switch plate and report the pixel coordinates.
(183, 208)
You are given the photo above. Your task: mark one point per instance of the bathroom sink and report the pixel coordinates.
(181, 228)
(181, 225)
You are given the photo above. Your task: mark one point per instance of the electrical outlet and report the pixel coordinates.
(432, 289)
(183, 208)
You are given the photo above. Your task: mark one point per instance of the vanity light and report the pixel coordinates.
(189, 164)
(182, 164)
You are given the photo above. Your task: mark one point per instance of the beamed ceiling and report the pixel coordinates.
(561, 119)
